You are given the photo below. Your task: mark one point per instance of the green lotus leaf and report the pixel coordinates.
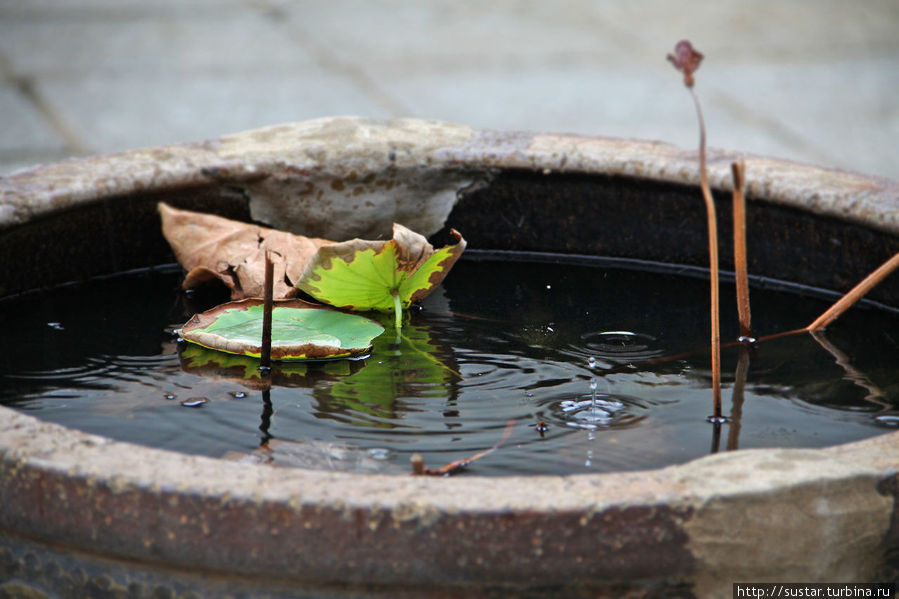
(379, 275)
(300, 330)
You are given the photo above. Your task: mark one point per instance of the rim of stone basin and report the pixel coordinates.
(777, 514)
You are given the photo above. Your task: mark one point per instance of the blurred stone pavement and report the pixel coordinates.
(810, 80)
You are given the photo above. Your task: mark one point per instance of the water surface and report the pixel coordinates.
(572, 351)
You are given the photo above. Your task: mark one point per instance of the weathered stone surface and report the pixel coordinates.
(343, 177)
(800, 515)
(764, 514)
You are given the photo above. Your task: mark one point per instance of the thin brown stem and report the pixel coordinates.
(713, 261)
(831, 314)
(855, 294)
(741, 270)
(419, 468)
(265, 358)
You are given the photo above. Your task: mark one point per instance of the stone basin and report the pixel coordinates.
(82, 515)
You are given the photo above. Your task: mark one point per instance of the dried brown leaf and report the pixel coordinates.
(686, 59)
(212, 247)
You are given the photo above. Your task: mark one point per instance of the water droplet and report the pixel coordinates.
(717, 420)
(379, 453)
(591, 362)
(194, 402)
(170, 396)
(890, 420)
(610, 405)
(589, 414)
(593, 415)
(56, 326)
(593, 384)
(569, 405)
(238, 394)
(621, 344)
(746, 340)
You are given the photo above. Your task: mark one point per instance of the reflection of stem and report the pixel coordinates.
(716, 437)
(713, 259)
(738, 169)
(267, 412)
(875, 395)
(736, 408)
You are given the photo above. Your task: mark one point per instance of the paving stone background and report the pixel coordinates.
(810, 80)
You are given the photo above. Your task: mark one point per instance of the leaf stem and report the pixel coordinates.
(713, 260)
(397, 309)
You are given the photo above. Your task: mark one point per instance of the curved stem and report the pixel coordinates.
(713, 260)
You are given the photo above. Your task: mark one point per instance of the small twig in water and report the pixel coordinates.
(418, 463)
(686, 59)
(741, 270)
(855, 294)
(845, 302)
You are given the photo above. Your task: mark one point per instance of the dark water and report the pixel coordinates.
(501, 341)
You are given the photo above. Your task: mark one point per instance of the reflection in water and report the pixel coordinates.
(500, 341)
(265, 422)
(244, 370)
(853, 374)
(737, 397)
(411, 365)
